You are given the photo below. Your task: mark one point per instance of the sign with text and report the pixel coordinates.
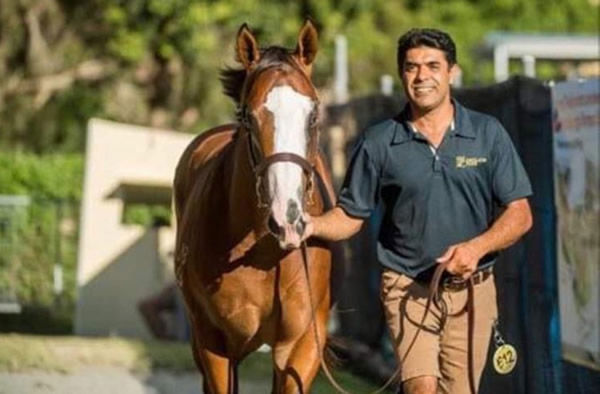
(576, 131)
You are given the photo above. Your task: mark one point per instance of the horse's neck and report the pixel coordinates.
(242, 204)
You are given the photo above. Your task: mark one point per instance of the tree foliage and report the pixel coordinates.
(155, 62)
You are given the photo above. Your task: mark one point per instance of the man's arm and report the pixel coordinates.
(333, 225)
(515, 221)
(511, 225)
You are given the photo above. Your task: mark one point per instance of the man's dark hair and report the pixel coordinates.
(432, 38)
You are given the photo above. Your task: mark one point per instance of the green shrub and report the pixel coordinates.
(38, 236)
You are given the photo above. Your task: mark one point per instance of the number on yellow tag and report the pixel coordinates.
(505, 359)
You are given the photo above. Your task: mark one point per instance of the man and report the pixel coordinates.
(438, 169)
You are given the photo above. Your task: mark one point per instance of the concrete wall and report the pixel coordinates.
(120, 264)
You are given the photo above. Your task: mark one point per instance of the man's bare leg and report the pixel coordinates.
(421, 385)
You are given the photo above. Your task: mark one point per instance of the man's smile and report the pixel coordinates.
(423, 89)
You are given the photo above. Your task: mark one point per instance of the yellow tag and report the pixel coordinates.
(505, 359)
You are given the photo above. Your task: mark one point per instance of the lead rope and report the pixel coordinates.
(327, 205)
(471, 319)
(434, 297)
(324, 366)
(437, 300)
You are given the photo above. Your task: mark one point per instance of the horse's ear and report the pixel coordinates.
(308, 43)
(246, 50)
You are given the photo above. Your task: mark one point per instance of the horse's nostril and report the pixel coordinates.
(300, 226)
(273, 226)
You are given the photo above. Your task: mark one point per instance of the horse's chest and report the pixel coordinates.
(242, 301)
(251, 302)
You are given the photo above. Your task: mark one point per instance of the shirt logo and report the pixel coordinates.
(464, 161)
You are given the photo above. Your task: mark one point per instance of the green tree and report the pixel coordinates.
(156, 62)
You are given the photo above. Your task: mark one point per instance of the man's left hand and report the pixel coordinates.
(462, 259)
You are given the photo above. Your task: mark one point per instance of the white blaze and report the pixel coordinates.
(290, 111)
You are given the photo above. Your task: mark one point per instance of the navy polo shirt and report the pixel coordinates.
(432, 198)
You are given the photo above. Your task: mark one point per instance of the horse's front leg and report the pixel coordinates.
(219, 373)
(297, 362)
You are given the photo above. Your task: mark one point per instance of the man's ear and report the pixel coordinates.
(455, 72)
(308, 43)
(246, 49)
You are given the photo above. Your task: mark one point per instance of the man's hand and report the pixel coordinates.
(309, 227)
(462, 259)
(333, 225)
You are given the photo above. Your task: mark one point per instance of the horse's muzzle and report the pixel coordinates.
(288, 235)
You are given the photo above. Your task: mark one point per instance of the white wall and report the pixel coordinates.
(120, 264)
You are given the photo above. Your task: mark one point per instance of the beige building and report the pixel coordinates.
(119, 264)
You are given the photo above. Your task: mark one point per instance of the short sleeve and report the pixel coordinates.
(359, 193)
(510, 181)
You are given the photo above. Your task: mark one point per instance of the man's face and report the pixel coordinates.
(426, 77)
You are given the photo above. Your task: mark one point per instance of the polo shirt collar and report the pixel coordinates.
(462, 121)
(462, 125)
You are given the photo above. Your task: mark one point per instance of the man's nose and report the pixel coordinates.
(422, 73)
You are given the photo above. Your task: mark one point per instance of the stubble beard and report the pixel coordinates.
(427, 104)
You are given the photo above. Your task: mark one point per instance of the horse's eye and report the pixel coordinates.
(313, 118)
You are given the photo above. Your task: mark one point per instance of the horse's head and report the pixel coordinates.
(278, 107)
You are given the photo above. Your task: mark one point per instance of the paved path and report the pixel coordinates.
(109, 380)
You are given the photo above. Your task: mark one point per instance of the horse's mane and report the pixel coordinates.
(233, 79)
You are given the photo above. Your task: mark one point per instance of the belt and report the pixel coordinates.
(456, 283)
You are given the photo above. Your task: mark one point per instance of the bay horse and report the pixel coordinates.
(235, 186)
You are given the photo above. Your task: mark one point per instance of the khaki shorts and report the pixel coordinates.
(438, 350)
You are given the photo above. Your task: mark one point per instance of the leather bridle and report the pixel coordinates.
(260, 167)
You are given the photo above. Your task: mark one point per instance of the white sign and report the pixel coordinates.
(576, 130)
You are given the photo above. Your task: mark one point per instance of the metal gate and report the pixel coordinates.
(13, 215)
